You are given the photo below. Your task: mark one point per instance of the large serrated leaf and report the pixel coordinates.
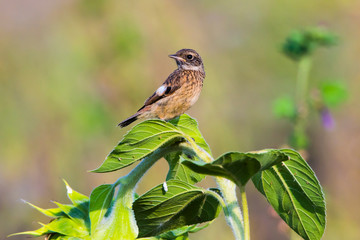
(100, 201)
(238, 167)
(140, 141)
(296, 195)
(158, 211)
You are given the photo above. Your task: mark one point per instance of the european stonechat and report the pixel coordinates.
(178, 93)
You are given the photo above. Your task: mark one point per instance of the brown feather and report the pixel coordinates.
(172, 84)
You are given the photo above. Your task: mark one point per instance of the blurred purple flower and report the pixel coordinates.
(327, 119)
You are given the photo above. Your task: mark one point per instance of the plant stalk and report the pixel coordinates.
(245, 213)
(303, 81)
(302, 92)
(129, 182)
(232, 209)
(122, 208)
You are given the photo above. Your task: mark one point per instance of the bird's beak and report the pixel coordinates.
(174, 56)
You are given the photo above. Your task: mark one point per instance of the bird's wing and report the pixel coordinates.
(171, 84)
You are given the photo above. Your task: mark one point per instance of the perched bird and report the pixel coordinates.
(178, 93)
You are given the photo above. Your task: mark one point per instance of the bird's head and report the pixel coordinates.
(188, 59)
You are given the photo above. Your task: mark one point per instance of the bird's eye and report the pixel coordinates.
(189, 57)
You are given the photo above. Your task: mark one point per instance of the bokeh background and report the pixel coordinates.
(71, 70)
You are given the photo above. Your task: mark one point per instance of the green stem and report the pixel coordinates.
(232, 209)
(230, 203)
(129, 181)
(302, 90)
(245, 212)
(122, 209)
(303, 81)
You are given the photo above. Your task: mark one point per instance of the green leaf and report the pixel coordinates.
(321, 36)
(36, 233)
(284, 107)
(303, 43)
(182, 204)
(177, 170)
(71, 221)
(294, 192)
(74, 214)
(176, 233)
(56, 236)
(333, 93)
(52, 212)
(100, 201)
(238, 167)
(140, 141)
(79, 200)
(189, 126)
(68, 227)
(182, 232)
(146, 137)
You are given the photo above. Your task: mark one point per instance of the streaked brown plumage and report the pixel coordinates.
(178, 93)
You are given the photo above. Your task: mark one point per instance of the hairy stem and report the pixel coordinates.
(129, 181)
(245, 212)
(122, 209)
(232, 209)
(132, 178)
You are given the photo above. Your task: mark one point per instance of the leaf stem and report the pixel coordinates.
(130, 181)
(245, 213)
(232, 209)
(201, 153)
(122, 209)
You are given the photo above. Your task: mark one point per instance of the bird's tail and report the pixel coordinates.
(129, 120)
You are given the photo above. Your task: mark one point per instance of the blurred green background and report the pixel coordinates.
(71, 70)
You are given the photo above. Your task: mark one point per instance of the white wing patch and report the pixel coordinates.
(165, 187)
(161, 90)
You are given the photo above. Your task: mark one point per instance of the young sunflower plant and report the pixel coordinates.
(177, 207)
